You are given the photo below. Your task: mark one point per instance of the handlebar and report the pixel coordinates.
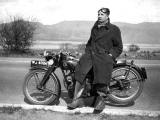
(61, 52)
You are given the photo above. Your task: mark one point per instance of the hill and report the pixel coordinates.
(142, 33)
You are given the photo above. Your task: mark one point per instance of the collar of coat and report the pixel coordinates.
(107, 25)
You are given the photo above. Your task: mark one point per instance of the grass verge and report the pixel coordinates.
(18, 113)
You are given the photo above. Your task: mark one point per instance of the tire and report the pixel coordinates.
(39, 97)
(127, 99)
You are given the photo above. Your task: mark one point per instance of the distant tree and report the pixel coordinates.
(65, 46)
(133, 48)
(17, 35)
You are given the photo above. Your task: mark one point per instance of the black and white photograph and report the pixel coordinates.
(80, 59)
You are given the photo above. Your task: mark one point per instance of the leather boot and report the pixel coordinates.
(77, 89)
(79, 102)
(103, 91)
(76, 102)
(99, 104)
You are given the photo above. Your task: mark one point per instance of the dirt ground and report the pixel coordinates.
(34, 114)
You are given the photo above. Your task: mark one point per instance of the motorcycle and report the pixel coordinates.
(42, 86)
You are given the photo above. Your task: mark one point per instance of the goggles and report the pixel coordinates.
(105, 10)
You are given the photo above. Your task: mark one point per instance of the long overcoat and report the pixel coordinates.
(103, 41)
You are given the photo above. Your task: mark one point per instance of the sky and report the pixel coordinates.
(50, 12)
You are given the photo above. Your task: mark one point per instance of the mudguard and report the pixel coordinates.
(140, 70)
(39, 67)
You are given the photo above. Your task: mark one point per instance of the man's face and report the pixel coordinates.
(102, 16)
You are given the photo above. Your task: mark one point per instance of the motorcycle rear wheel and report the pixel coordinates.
(37, 96)
(135, 81)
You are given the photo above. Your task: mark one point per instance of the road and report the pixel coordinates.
(13, 70)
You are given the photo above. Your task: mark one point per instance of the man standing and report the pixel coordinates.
(104, 45)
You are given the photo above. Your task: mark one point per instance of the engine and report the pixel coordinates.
(69, 83)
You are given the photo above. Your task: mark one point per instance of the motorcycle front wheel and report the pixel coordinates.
(50, 92)
(132, 85)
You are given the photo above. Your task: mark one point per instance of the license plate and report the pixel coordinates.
(38, 63)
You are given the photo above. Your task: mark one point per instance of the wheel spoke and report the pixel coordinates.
(126, 73)
(49, 91)
(134, 79)
(36, 79)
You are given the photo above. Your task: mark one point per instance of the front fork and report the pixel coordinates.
(46, 76)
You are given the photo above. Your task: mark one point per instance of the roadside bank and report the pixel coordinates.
(39, 112)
